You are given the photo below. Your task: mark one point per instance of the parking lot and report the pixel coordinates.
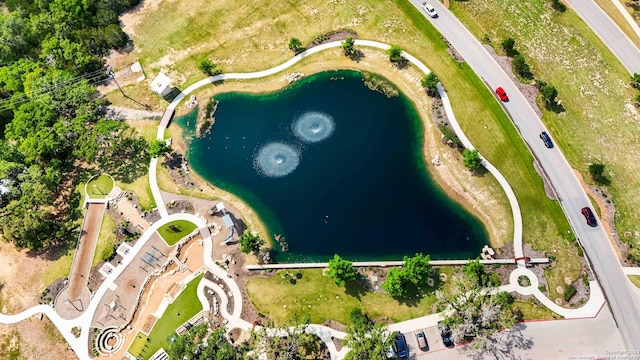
(434, 342)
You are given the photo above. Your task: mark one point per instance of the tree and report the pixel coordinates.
(430, 82)
(521, 67)
(471, 159)
(596, 170)
(295, 45)
(208, 67)
(635, 81)
(417, 269)
(199, 344)
(347, 46)
(395, 53)
(508, 47)
(474, 312)
(250, 242)
(340, 270)
(474, 272)
(558, 6)
(366, 339)
(158, 148)
(395, 283)
(549, 94)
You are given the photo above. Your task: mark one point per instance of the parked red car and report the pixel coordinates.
(502, 94)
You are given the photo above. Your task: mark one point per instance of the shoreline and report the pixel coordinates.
(450, 176)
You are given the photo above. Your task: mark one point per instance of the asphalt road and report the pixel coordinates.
(572, 197)
(609, 33)
(551, 340)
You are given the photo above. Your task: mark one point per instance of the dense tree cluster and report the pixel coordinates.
(474, 308)
(413, 274)
(51, 125)
(366, 339)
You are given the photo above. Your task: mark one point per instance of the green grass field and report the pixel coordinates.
(317, 296)
(174, 231)
(635, 280)
(532, 311)
(600, 123)
(106, 238)
(183, 308)
(141, 188)
(100, 186)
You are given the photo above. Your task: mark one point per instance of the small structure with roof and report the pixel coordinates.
(161, 85)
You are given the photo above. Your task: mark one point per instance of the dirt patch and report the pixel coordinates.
(21, 288)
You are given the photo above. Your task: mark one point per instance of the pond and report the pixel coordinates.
(335, 168)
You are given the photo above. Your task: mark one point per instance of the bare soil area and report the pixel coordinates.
(20, 288)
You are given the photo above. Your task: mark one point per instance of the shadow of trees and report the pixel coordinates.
(501, 344)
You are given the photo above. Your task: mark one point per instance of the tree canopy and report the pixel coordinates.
(366, 339)
(51, 116)
(471, 159)
(200, 344)
(430, 82)
(250, 242)
(347, 46)
(395, 53)
(340, 270)
(414, 273)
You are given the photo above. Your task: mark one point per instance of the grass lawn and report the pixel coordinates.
(183, 308)
(532, 311)
(141, 188)
(58, 268)
(106, 238)
(99, 187)
(146, 128)
(600, 123)
(317, 296)
(174, 231)
(635, 279)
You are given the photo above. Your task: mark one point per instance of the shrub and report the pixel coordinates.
(208, 67)
(569, 292)
(395, 53)
(108, 253)
(508, 47)
(558, 6)
(521, 67)
(449, 135)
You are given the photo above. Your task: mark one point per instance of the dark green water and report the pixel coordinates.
(363, 192)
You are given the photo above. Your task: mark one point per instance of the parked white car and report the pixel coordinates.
(429, 9)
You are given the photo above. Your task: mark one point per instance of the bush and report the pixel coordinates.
(108, 253)
(569, 292)
(449, 135)
(508, 47)
(558, 6)
(395, 53)
(521, 67)
(208, 67)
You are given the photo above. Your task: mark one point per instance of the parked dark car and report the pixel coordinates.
(588, 215)
(445, 333)
(547, 140)
(401, 346)
(422, 341)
